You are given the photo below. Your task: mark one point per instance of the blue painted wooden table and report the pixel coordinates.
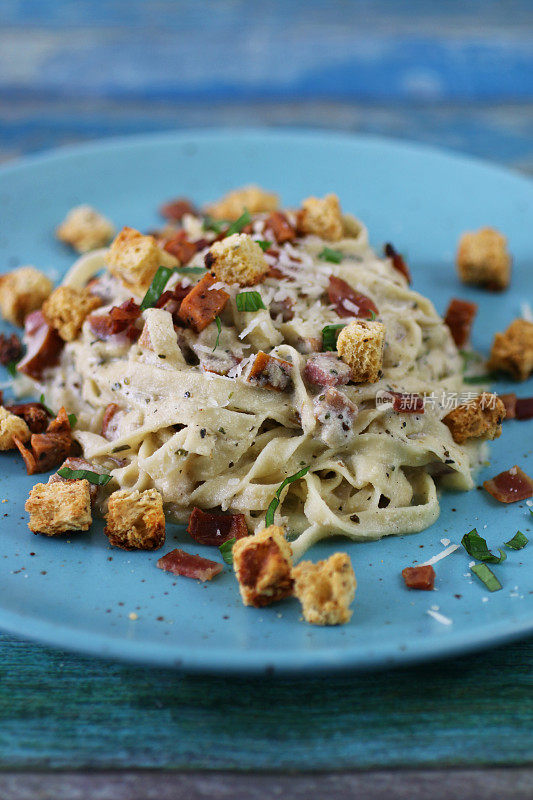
(453, 74)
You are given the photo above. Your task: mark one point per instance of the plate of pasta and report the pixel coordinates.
(265, 401)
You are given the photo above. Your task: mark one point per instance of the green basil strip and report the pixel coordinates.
(215, 225)
(73, 420)
(157, 287)
(48, 410)
(190, 270)
(226, 550)
(79, 474)
(249, 301)
(476, 546)
(518, 541)
(269, 518)
(239, 224)
(488, 378)
(12, 368)
(334, 256)
(264, 244)
(329, 338)
(487, 577)
(219, 326)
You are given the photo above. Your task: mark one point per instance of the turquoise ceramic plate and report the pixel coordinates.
(80, 593)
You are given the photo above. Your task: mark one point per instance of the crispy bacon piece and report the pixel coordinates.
(280, 226)
(34, 415)
(459, 318)
(214, 529)
(524, 408)
(44, 346)
(110, 421)
(326, 369)
(202, 304)
(181, 248)
(510, 486)
(509, 401)
(10, 348)
(175, 210)
(283, 307)
(119, 322)
(334, 407)
(407, 403)
(348, 302)
(171, 301)
(270, 372)
(189, 566)
(397, 261)
(48, 450)
(419, 577)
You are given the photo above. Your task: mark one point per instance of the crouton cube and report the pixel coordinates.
(135, 520)
(483, 259)
(325, 589)
(56, 508)
(321, 217)
(479, 418)
(22, 291)
(360, 345)
(85, 229)
(66, 309)
(134, 259)
(262, 564)
(10, 426)
(512, 350)
(237, 259)
(250, 198)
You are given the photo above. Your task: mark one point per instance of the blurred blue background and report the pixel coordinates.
(458, 74)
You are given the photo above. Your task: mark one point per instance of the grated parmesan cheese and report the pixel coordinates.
(439, 617)
(439, 556)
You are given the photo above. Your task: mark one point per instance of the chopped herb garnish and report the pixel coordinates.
(487, 576)
(249, 301)
(157, 287)
(269, 518)
(372, 316)
(239, 224)
(518, 541)
(190, 270)
(219, 327)
(264, 244)
(12, 368)
(79, 474)
(469, 357)
(334, 256)
(73, 420)
(490, 376)
(226, 550)
(215, 225)
(329, 336)
(476, 546)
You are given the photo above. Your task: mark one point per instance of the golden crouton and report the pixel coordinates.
(512, 351)
(483, 259)
(237, 259)
(250, 198)
(479, 418)
(262, 564)
(135, 258)
(85, 229)
(59, 507)
(135, 520)
(325, 589)
(10, 426)
(66, 309)
(321, 217)
(360, 345)
(22, 291)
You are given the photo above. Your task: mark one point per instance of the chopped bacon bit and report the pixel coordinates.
(110, 421)
(202, 304)
(348, 302)
(10, 348)
(280, 226)
(510, 486)
(189, 566)
(274, 272)
(215, 529)
(119, 322)
(398, 261)
(459, 318)
(175, 210)
(181, 248)
(270, 372)
(171, 301)
(283, 307)
(407, 403)
(509, 401)
(34, 415)
(326, 369)
(335, 407)
(419, 577)
(524, 408)
(49, 449)
(44, 346)
(218, 363)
